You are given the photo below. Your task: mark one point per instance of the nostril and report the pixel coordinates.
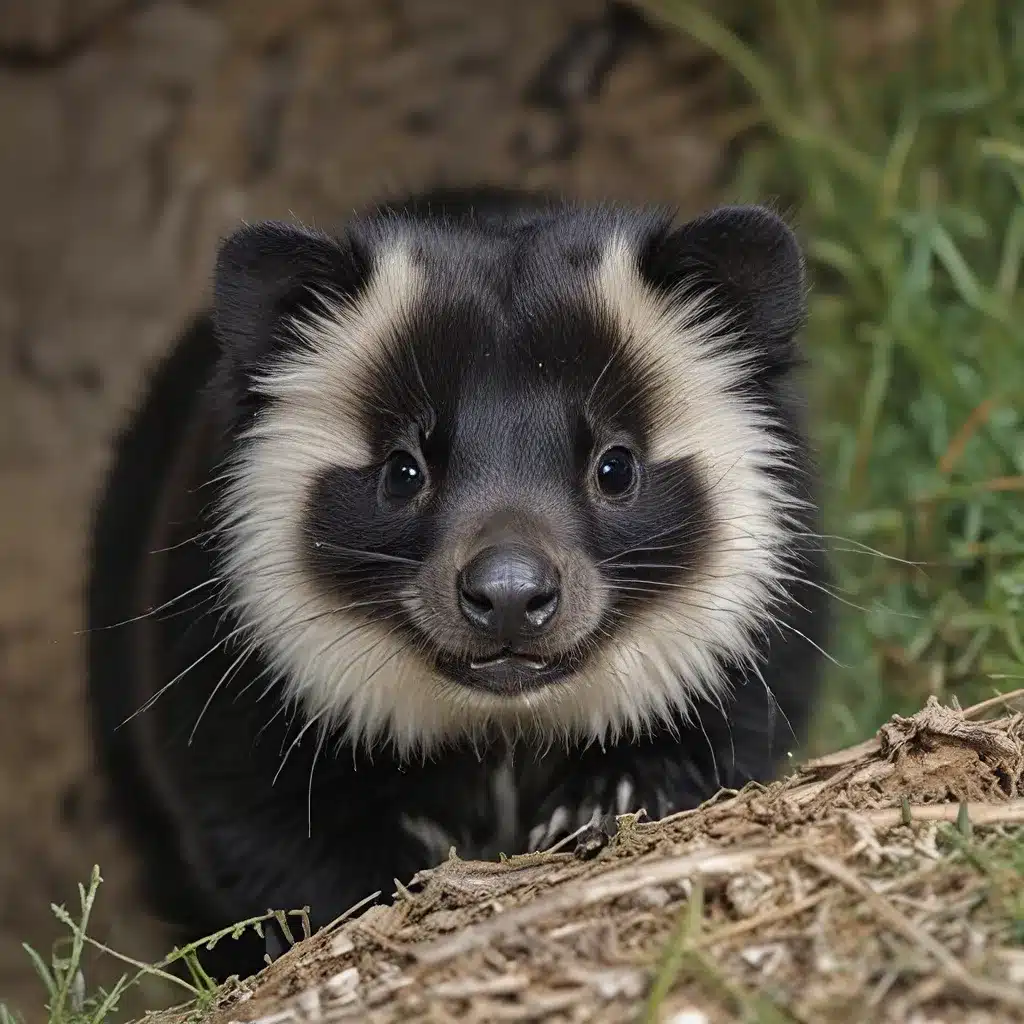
(475, 605)
(540, 610)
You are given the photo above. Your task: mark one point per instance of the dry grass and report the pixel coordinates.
(882, 883)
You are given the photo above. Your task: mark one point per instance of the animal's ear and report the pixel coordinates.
(267, 273)
(748, 263)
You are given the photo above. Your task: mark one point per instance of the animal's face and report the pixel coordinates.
(524, 474)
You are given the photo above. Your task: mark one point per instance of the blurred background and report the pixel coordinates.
(134, 133)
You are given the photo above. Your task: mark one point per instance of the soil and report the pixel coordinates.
(126, 154)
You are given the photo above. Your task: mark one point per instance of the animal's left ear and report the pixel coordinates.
(266, 275)
(748, 263)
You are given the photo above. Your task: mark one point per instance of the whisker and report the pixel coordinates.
(371, 555)
(202, 535)
(309, 788)
(237, 663)
(163, 689)
(269, 722)
(835, 594)
(151, 611)
(859, 548)
(302, 732)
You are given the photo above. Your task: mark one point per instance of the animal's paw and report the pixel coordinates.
(620, 796)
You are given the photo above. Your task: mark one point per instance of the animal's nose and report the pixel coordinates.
(508, 592)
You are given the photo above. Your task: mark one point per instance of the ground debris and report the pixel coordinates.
(850, 891)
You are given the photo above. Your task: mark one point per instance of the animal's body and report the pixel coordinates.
(483, 515)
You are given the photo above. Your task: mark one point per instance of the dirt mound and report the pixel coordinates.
(880, 883)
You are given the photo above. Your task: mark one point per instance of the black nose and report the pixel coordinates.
(508, 592)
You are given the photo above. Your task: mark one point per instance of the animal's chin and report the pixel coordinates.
(508, 673)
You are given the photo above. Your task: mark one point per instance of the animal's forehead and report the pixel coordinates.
(524, 302)
(510, 329)
(519, 364)
(552, 247)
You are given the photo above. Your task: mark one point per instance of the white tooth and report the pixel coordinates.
(487, 662)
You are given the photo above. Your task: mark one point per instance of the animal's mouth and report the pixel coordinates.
(505, 656)
(508, 672)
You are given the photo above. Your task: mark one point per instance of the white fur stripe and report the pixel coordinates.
(675, 645)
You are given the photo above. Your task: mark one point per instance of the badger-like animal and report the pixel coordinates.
(485, 515)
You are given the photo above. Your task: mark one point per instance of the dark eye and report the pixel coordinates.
(403, 478)
(616, 472)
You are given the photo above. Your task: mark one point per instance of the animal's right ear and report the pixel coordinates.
(266, 274)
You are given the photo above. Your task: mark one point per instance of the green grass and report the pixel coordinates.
(1000, 861)
(71, 1000)
(907, 188)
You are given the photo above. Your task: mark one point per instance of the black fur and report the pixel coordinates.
(504, 348)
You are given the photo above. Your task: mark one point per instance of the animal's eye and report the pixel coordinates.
(403, 478)
(616, 473)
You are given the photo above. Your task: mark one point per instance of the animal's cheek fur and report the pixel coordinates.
(586, 600)
(431, 603)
